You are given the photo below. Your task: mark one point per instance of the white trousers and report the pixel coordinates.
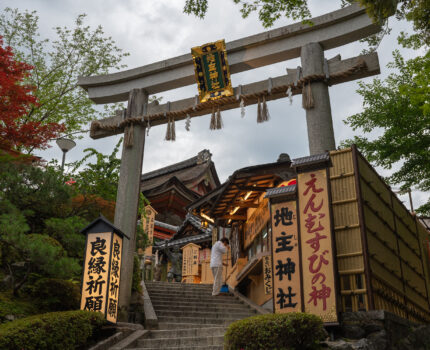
(217, 273)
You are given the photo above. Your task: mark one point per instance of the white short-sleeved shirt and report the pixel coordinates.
(217, 252)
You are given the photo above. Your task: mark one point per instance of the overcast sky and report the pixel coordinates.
(156, 30)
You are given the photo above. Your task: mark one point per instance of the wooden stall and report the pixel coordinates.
(381, 255)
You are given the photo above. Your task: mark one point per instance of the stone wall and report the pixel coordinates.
(378, 330)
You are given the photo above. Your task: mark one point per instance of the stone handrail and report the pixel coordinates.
(151, 319)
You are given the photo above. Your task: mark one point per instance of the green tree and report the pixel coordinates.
(99, 178)
(38, 193)
(399, 106)
(67, 232)
(269, 11)
(79, 51)
(24, 253)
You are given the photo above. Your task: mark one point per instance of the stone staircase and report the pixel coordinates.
(190, 317)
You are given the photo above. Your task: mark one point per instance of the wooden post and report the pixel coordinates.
(127, 199)
(318, 118)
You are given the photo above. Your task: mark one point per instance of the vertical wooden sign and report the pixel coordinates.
(148, 226)
(96, 272)
(287, 289)
(267, 273)
(115, 274)
(190, 260)
(102, 268)
(319, 287)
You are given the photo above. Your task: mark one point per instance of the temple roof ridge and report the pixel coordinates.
(203, 156)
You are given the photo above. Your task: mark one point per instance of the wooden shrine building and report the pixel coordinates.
(171, 189)
(321, 234)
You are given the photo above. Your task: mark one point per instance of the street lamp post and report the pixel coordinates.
(65, 145)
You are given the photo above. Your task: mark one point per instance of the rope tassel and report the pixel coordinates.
(129, 136)
(219, 123)
(168, 131)
(188, 123)
(212, 125)
(307, 98)
(259, 114)
(173, 129)
(242, 108)
(290, 95)
(265, 112)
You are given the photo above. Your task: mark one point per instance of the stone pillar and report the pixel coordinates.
(127, 199)
(319, 120)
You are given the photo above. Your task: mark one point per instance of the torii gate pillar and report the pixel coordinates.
(318, 118)
(127, 199)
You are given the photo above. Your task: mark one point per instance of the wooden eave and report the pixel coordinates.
(221, 204)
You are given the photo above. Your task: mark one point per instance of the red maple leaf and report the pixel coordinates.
(17, 99)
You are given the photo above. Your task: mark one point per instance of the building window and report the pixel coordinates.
(260, 243)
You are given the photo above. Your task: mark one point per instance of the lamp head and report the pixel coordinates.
(65, 144)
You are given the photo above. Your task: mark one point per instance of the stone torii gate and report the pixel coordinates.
(297, 40)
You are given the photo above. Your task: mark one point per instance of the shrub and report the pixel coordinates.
(17, 307)
(56, 295)
(298, 331)
(52, 331)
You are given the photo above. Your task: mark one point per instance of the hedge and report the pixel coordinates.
(292, 331)
(52, 331)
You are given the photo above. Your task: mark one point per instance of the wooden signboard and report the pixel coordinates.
(102, 274)
(319, 288)
(256, 222)
(212, 71)
(96, 272)
(267, 272)
(115, 274)
(148, 226)
(190, 260)
(287, 288)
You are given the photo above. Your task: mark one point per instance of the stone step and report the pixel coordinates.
(189, 298)
(177, 285)
(189, 332)
(201, 320)
(164, 343)
(181, 292)
(200, 304)
(184, 326)
(226, 315)
(183, 287)
(207, 307)
(205, 347)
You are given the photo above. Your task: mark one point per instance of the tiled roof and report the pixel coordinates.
(186, 171)
(170, 169)
(205, 235)
(274, 192)
(182, 241)
(184, 175)
(164, 225)
(196, 222)
(317, 158)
